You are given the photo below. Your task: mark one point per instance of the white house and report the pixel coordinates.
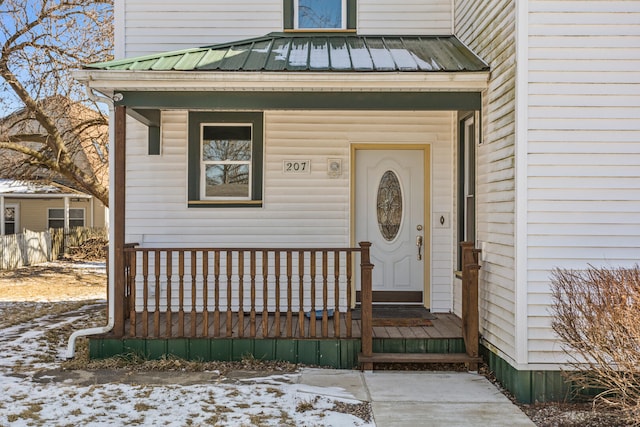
(414, 125)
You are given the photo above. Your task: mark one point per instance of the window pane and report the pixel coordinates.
(10, 214)
(76, 223)
(56, 223)
(221, 143)
(227, 180)
(320, 13)
(56, 213)
(76, 213)
(389, 202)
(9, 220)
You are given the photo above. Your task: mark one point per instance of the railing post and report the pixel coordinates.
(470, 312)
(366, 301)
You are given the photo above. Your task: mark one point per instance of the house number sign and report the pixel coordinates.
(296, 166)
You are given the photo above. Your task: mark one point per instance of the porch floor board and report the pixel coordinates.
(445, 325)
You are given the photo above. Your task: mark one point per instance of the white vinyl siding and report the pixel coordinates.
(488, 28)
(422, 17)
(584, 156)
(299, 209)
(150, 26)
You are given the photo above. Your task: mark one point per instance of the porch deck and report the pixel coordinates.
(445, 325)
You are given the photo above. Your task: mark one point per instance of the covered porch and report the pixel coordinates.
(278, 260)
(297, 304)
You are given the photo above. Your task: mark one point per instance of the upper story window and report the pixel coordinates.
(319, 14)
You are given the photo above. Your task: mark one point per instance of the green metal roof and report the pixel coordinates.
(314, 52)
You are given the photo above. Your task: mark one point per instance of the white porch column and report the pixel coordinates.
(92, 202)
(66, 214)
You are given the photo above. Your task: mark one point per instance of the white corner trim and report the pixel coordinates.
(521, 193)
(119, 18)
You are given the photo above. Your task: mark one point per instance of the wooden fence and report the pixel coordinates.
(27, 248)
(61, 241)
(31, 247)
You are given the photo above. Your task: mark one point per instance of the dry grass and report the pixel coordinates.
(51, 283)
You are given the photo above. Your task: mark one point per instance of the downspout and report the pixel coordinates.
(71, 347)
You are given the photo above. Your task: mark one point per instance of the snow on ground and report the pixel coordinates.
(28, 399)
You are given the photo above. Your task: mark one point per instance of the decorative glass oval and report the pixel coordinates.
(389, 205)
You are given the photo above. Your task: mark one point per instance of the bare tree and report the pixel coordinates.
(596, 313)
(55, 128)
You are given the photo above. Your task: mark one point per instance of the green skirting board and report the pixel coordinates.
(340, 354)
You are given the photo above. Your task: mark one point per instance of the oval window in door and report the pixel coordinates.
(389, 205)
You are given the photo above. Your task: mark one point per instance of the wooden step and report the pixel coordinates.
(418, 358)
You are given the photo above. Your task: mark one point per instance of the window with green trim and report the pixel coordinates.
(320, 14)
(225, 159)
(466, 183)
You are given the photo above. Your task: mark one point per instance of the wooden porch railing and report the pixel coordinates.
(240, 292)
(469, 320)
(470, 312)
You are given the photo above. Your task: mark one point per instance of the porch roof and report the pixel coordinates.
(299, 52)
(12, 188)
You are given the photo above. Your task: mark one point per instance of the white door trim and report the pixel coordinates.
(427, 231)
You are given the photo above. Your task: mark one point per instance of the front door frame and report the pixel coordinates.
(426, 148)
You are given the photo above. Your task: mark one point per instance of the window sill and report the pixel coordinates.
(319, 30)
(224, 204)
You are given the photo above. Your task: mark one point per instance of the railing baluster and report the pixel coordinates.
(325, 295)
(289, 294)
(277, 293)
(156, 311)
(336, 293)
(241, 294)
(265, 294)
(133, 294)
(216, 312)
(205, 293)
(145, 294)
(181, 294)
(169, 331)
(193, 316)
(252, 313)
(301, 294)
(312, 314)
(229, 294)
(348, 290)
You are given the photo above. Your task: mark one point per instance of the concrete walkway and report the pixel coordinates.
(411, 398)
(398, 398)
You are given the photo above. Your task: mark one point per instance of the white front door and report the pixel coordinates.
(390, 213)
